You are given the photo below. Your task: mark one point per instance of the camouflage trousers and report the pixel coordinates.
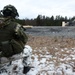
(16, 62)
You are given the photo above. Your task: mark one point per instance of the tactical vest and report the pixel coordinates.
(6, 32)
(9, 44)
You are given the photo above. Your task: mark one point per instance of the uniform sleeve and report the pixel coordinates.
(20, 33)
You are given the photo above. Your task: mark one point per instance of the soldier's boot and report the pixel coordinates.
(26, 69)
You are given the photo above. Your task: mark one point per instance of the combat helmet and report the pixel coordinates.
(10, 10)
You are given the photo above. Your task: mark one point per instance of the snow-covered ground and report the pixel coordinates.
(53, 56)
(46, 63)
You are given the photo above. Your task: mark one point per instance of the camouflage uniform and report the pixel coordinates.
(12, 35)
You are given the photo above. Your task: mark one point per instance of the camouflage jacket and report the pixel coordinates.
(10, 30)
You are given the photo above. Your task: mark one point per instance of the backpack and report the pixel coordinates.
(14, 41)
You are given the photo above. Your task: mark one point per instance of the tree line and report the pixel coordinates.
(42, 20)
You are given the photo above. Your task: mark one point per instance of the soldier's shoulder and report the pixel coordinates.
(2, 20)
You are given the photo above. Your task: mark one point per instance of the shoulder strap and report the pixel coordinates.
(4, 22)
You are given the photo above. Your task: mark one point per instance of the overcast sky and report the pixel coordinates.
(33, 8)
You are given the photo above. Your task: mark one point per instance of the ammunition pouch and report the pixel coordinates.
(6, 49)
(16, 46)
(9, 48)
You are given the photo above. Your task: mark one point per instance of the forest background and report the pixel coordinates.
(42, 20)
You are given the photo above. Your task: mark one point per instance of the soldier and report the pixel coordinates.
(12, 35)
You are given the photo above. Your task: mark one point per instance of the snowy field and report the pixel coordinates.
(53, 56)
(55, 62)
(59, 64)
(50, 55)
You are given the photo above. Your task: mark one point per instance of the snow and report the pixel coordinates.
(47, 64)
